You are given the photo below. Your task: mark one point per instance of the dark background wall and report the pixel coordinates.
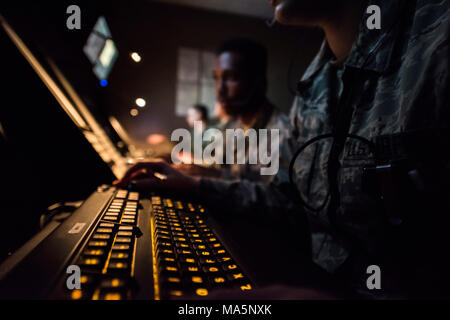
(156, 31)
(165, 28)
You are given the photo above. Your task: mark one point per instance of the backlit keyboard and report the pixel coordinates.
(188, 258)
(107, 259)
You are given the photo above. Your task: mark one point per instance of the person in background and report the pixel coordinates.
(223, 118)
(240, 74)
(197, 112)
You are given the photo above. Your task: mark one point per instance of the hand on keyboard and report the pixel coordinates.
(195, 170)
(157, 175)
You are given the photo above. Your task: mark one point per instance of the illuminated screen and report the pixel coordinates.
(101, 50)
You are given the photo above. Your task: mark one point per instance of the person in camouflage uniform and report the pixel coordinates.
(240, 74)
(268, 118)
(398, 79)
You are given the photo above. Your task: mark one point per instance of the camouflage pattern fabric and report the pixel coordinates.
(403, 85)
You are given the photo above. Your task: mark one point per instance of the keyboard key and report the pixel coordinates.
(87, 280)
(168, 260)
(121, 247)
(121, 194)
(160, 226)
(117, 265)
(208, 261)
(125, 228)
(165, 253)
(165, 245)
(101, 236)
(171, 281)
(124, 233)
(91, 262)
(76, 294)
(195, 281)
(176, 293)
(204, 253)
(104, 230)
(133, 196)
(113, 283)
(97, 243)
(209, 269)
(169, 270)
(112, 295)
(190, 269)
(184, 252)
(119, 255)
(246, 287)
(93, 252)
(230, 267)
(182, 245)
(190, 260)
(219, 252)
(179, 234)
(123, 240)
(162, 237)
(162, 231)
(223, 259)
(236, 276)
(202, 292)
(218, 280)
(106, 225)
(110, 218)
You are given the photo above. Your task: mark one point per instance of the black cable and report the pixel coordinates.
(333, 135)
(302, 149)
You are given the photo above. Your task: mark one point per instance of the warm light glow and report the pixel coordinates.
(136, 57)
(156, 139)
(134, 112)
(185, 157)
(140, 102)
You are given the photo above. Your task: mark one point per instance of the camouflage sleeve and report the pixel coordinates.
(246, 197)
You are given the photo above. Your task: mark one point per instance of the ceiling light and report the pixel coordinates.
(140, 102)
(136, 57)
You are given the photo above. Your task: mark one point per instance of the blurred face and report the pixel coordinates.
(234, 87)
(193, 115)
(304, 12)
